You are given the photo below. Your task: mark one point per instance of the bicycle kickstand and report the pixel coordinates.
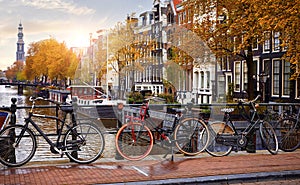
(172, 153)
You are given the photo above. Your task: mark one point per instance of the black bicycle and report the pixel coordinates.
(289, 131)
(82, 142)
(225, 137)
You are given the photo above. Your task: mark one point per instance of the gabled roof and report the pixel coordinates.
(176, 2)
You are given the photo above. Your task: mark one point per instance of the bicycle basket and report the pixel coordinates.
(169, 121)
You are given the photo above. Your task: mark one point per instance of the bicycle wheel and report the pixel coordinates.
(215, 147)
(16, 148)
(268, 136)
(84, 143)
(134, 141)
(289, 134)
(191, 136)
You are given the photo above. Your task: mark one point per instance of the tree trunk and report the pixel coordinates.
(251, 73)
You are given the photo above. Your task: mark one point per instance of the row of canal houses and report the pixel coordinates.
(201, 80)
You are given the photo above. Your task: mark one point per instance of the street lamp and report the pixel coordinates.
(263, 79)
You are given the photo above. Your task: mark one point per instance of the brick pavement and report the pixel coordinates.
(152, 170)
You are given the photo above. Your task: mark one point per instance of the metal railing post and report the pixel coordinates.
(120, 110)
(74, 122)
(12, 134)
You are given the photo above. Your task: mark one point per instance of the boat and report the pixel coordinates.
(91, 96)
(93, 100)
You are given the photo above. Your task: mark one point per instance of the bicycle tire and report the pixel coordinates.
(217, 149)
(13, 155)
(84, 143)
(268, 137)
(289, 135)
(134, 141)
(191, 136)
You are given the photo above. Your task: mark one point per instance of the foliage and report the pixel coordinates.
(50, 59)
(15, 71)
(127, 51)
(135, 97)
(185, 51)
(231, 27)
(168, 97)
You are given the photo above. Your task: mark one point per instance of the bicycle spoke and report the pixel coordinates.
(16, 154)
(134, 141)
(90, 146)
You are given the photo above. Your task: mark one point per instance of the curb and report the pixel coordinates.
(236, 178)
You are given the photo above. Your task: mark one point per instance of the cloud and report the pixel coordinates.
(60, 5)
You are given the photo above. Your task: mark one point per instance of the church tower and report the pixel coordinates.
(20, 54)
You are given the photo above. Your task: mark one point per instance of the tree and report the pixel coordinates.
(125, 50)
(15, 71)
(283, 16)
(186, 50)
(231, 27)
(50, 59)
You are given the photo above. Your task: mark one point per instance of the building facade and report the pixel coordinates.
(206, 78)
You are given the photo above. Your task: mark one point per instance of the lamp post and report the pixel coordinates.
(263, 79)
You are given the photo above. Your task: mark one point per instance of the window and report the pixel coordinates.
(255, 44)
(298, 88)
(276, 75)
(179, 18)
(237, 73)
(245, 75)
(189, 15)
(207, 79)
(267, 44)
(196, 81)
(202, 79)
(286, 77)
(224, 64)
(276, 41)
(266, 66)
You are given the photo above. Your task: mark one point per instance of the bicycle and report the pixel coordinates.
(225, 136)
(289, 131)
(82, 142)
(134, 140)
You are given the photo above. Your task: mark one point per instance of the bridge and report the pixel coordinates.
(20, 85)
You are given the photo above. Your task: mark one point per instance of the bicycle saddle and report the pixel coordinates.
(66, 108)
(227, 110)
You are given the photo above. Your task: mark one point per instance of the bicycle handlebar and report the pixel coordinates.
(32, 98)
(251, 101)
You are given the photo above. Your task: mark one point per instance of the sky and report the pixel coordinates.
(69, 21)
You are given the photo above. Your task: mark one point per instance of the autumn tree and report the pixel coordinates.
(125, 50)
(232, 27)
(15, 71)
(186, 50)
(50, 59)
(283, 17)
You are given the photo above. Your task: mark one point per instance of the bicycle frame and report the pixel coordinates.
(59, 134)
(144, 114)
(40, 131)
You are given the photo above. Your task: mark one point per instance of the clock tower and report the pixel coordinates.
(20, 54)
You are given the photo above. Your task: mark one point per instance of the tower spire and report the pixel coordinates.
(20, 54)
